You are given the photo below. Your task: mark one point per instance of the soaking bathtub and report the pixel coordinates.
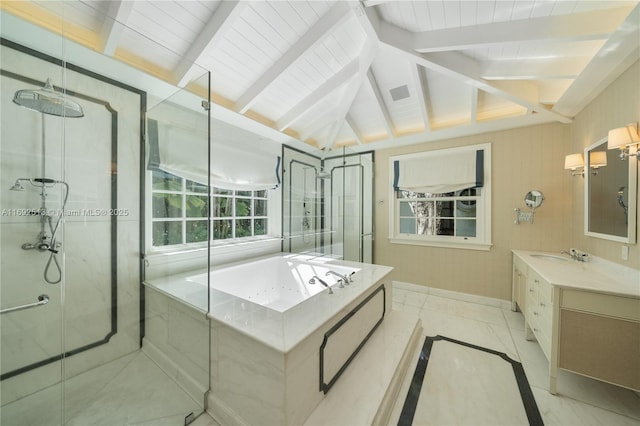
(277, 342)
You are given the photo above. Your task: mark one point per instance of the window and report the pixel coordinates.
(180, 209)
(444, 217)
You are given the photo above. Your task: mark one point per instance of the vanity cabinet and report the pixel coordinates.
(519, 285)
(539, 311)
(599, 336)
(580, 324)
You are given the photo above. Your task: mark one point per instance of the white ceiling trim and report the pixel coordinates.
(591, 25)
(112, 26)
(305, 105)
(618, 53)
(455, 65)
(222, 19)
(474, 105)
(382, 106)
(339, 13)
(453, 132)
(368, 54)
(354, 129)
(422, 92)
(534, 69)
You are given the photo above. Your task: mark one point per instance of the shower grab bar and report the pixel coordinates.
(43, 299)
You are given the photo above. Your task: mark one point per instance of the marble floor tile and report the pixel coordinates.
(204, 420)
(140, 392)
(474, 311)
(515, 320)
(562, 410)
(580, 400)
(485, 334)
(129, 390)
(463, 385)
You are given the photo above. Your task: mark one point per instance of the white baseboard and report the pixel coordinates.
(465, 297)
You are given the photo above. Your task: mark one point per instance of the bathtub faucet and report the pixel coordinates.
(313, 281)
(341, 278)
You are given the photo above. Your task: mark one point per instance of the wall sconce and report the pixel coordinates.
(597, 159)
(575, 163)
(626, 139)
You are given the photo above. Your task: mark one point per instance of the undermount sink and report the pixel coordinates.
(551, 257)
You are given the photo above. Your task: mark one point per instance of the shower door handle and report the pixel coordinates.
(43, 299)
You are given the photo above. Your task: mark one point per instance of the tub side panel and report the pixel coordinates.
(247, 378)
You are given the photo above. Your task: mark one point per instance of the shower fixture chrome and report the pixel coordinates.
(48, 101)
(44, 241)
(323, 174)
(17, 186)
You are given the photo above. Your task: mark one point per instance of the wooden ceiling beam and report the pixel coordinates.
(112, 28)
(223, 18)
(592, 25)
(340, 12)
(461, 67)
(534, 69)
(616, 55)
(328, 87)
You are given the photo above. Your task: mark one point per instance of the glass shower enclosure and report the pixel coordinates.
(328, 204)
(73, 247)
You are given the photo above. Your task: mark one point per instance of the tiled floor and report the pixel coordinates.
(133, 390)
(580, 400)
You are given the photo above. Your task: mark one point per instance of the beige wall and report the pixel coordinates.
(523, 159)
(616, 106)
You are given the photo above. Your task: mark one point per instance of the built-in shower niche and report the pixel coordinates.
(87, 168)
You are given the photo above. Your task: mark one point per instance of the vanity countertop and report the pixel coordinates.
(597, 274)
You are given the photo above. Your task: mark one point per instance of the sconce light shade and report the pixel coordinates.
(573, 161)
(597, 159)
(623, 137)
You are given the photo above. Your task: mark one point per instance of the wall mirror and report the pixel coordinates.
(610, 194)
(534, 199)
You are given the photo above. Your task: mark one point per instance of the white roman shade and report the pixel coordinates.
(239, 165)
(440, 172)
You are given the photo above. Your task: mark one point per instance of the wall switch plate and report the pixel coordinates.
(625, 252)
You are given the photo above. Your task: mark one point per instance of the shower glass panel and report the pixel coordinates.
(32, 192)
(327, 204)
(302, 189)
(74, 249)
(348, 206)
(176, 247)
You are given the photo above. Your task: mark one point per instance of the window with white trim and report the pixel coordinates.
(442, 198)
(180, 208)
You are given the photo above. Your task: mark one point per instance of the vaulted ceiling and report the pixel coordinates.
(372, 73)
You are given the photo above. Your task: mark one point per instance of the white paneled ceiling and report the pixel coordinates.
(373, 73)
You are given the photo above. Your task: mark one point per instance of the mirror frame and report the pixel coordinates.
(632, 180)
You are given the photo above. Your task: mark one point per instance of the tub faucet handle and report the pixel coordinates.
(341, 278)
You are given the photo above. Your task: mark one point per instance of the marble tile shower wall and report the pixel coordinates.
(79, 152)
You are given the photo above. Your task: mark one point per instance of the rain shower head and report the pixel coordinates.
(323, 175)
(48, 101)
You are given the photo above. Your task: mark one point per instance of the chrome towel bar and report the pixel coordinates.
(43, 299)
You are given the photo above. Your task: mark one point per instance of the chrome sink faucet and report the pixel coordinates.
(576, 255)
(313, 281)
